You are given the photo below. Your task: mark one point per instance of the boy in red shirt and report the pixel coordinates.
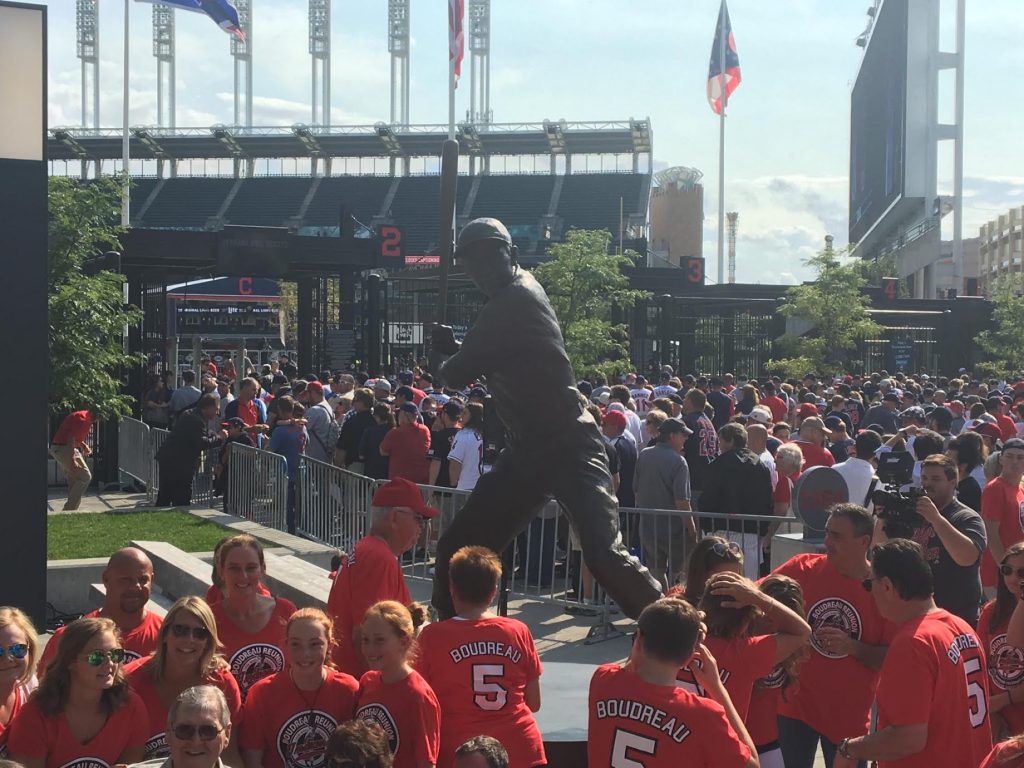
(484, 668)
(933, 689)
(1002, 509)
(372, 573)
(639, 717)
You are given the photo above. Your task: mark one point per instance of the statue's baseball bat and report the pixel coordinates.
(446, 239)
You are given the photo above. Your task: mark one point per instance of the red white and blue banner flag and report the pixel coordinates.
(221, 11)
(720, 82)
(456, 37)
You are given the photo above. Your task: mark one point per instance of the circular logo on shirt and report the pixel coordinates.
(252, 663)
(86, 762)
(1007, 667)
(130, 656)
(833, 612)
(303, 738)
(156, 746)
(378, 713)
(774, 680)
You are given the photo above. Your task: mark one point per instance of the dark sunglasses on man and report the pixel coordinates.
(186, 732)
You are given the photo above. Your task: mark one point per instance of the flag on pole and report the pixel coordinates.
(720, 82)
(221, 11)
(456, 39)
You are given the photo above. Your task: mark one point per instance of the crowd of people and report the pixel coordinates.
(742, 664)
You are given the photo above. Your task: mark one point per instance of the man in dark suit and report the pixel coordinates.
(179, 455)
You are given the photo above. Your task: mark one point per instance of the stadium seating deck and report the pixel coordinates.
(187, 203)
(268, 202)
(518, 200)
(362, 197)
(415, 208)
(591, 200)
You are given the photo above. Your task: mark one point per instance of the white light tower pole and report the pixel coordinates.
(398, 46)
(163, 51)
(479, 27)
(242, 54)
(320, 53)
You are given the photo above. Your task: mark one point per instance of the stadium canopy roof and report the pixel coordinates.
(380, 140)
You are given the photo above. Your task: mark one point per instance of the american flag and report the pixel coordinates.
(221, 11)
(456, 38)
(731, 79)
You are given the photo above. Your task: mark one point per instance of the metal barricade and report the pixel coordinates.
(204, 481)
(257, 486)
(133, 458)
(157, 436)
(332, 504)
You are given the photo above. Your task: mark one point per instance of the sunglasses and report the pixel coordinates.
(16, 651)
(184, 630)
(1007, 570)
(188, 732)
(726, 549)
(116, 656)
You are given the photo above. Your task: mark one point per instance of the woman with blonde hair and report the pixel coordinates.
(19, 652)
(186, 655)
(83, 711)
(290, 717)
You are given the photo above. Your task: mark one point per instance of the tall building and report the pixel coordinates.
(1000, 252)
(677, 216)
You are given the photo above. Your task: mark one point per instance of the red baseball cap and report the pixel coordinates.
(807, 409)
(616, 419)
(988, 430)
(402, 493)
(315, 386)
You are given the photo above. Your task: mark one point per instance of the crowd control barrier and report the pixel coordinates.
(133, 452)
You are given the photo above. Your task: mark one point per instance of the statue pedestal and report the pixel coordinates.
(786, 545)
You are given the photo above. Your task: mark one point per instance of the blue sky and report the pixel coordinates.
(787, 161)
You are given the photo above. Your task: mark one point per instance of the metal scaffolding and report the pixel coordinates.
(398, 46)
(479, 24)
(320, 52)
(87, 23)
(163, 50)
(241, 51)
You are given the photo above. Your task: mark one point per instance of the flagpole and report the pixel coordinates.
(125, 183)
(723, 98)
(451, 95)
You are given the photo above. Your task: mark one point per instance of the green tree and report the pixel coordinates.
(584, 283)
(1004, 342)
(836, 314)
(87, 311)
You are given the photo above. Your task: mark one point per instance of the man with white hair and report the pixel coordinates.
(372, 573)
(198, 730)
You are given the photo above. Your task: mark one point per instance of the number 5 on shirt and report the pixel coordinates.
(625, 742)
(489, 696)
(976, 693)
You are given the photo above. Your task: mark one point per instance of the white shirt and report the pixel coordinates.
(858, 474)
(468, 450)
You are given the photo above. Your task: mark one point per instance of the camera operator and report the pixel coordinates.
(951, 534)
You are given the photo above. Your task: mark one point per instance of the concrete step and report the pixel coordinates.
(178, 573)
(293, 578)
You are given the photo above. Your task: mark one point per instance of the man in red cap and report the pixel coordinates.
(372, 573)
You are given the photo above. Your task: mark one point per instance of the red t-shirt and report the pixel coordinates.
(1002, 503)
(741, 661)
(75, 429)
(783, 492)
(762, 716)
(935, 673)
(371, 574)
(140, 677)
(215, 595)
(777, 406)
(253, 656)
(1005, 665)
(35, 735)
(417, 395)
(814, 455)
(407, 711)
(292, 727)
(20, 697)
(1000, 756)
(1006, 426)
(834, 693)
(137, 643)
(480, 669)
(407, 448)
(632, 722)
(248, 412)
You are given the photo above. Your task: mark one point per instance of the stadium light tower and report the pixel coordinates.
(320, 51)
(87, 22)
(398, 46)
(480, 61)
(163, 50)
(733, 217)
(242, 54)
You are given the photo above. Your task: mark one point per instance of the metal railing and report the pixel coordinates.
(133, 447)
(332, 504)
(257, 486)
(157, 436)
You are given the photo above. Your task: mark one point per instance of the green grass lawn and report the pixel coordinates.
(98, 535)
